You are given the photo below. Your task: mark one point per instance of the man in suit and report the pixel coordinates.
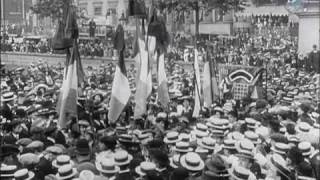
(92, 28)
(314, 58)
(123, 159)
(7, 100)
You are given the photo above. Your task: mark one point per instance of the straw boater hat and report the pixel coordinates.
(279, 164)
(23, 174)
(184, 137)
(8, 96)
(171, 137)
(239, 173)
(122, 158)
(182, 147)
(207, 143)
(62, 160)
(192, 161)
(235, 135)
(306, 148)
(7, 171)
(252, 136)
(280, 148)
(303, 127)
(251, 123)
(145, 167)
(66, 172)
(175, 161)
(229, 144)
(107, 166)
(200, 128)
(245, 148)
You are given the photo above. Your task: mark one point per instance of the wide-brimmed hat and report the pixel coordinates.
(29, 159)
(122, 158)
(215, 167)
(239, 173)
(182, 147)
(218, 124)
(252, 136)
(145, 167)
(107, 166)
(171, 137)
(7, 171)
(235, 135)
(280, 148)
(66, 172)
(207, 143)
(229, 144)
(305, 148)
(125, 138)
(251, 123)
(279, 163)
(84, 123)
(56, 150)
(201, 128)
(303, 127)
(23, 174)
(245, 148)
(62, 160)
(192, 161)
(175, 161)
(8, 96)
(184, 137)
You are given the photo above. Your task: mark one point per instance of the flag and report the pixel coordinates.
(73, 73)
(207, 86)
(144, 81)
(197, 86)
(120, 92)
(163, 94)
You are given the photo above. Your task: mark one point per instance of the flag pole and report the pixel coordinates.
(210, 70)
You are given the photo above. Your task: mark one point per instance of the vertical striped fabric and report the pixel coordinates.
(163, 94)
(197, 86)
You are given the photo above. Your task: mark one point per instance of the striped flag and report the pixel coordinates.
(197, 86)
(207, 90)
(121, 92)
(73, 73)
(163, 94)
(144, 82)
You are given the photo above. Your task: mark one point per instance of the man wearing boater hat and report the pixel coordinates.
(7, 100)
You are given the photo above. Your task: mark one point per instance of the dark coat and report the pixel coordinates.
(124, 176)
(6, 112)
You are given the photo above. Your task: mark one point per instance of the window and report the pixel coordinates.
(97, 11)
(83, 6)
(97, 8)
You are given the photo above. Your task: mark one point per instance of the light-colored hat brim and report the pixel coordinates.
(99, 168)
(233, 176)
(277, 151)
(200, 143)
(74, 172)
(54, 163)
(191, 168)
(167, 141)
(138, 171)
(126, 162)
(8, 99)
(30, 175)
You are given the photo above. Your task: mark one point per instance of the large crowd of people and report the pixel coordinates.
(275, 136)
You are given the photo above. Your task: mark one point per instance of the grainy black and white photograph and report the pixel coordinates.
(160, 90)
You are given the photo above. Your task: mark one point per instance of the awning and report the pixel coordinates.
(264, 10)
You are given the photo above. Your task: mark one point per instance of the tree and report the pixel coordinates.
(50, 8)
(195, 5)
